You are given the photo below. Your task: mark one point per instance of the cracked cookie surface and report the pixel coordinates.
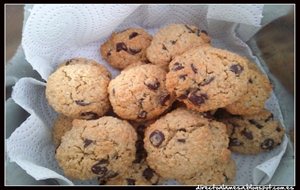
(78, 89)
(253, 134)
(174, 40)
(103, 148)
(207, 78)
(61, 125)
(183, 143)
(258, 91)
(140, 93)
(214, 175)
(126, 47)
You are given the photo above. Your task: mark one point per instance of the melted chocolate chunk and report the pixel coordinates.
(148, 173)
(132, 35)
(153, 86)
(253, 122)
(130, 181)
(181, 140)
(134, 51)
(164, 99)
(183, 77)
(278, 129)
(121, 46)
(269, 118)
(177, 66)
(196, 98)
(173, 42)
(234, 142)
(250, 81)
(87, 142)
(267, 144)
(156, 138)
(247, 134)
(89, 115)
(142, 115)
(195, 70)
(82, 103)
(237, 69)
(99, 170)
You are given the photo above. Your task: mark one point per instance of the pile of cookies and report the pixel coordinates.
(177, 110)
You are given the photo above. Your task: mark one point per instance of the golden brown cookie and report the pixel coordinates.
(78, 89)
(126, 47)
(103, 148)
(208, 78)
(140, 93)
(173, 40)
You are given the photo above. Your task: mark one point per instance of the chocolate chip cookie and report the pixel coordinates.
(253, 134)
(103, 148)
(140, 93)
(174, 40)
(208, 78)
(259, 89)
(137, 174)
(126, 47)
(183, 143)
(214, 175)
(78, 89)
(61, 126)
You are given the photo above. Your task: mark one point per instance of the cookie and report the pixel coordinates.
(103, 148)
(208, 78)
(78, 89)
(140, 93)
(174, 40)
(126, 47)
(259, 90)
(253, 134)
(183, 143)
(218, 174)
(137, 174)
(61, 125)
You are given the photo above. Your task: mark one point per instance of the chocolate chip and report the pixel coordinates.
(130, 181)
(173, 42)
(204, 31)
(156, 138)
(108, 53)
(89, 115)
(134, 51)
(250, 81)
(111, 174)
(177, 66)
(253, 122)
(82, 103)
(197, 98)
(234, 142)
(132, 35)
(164, 99)
(236, 68)
(87, 142)
(142, 115)
(247, 134)
(121, 46)
(195, 70)
(207, 81)
(164, 47)
(148, 173)
(190, 30)
(267, 144)
(153, 86)
(183, 77)
(181, 140)
(278, 129)
(269, 118)
(99, 170)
